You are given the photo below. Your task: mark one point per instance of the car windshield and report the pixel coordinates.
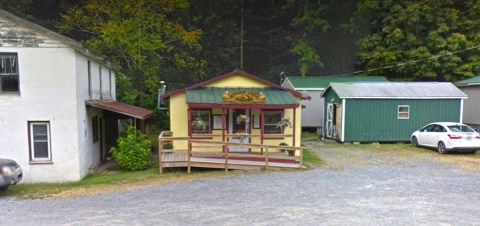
(460, 128)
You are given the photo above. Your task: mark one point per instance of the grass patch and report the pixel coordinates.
(306, 136)
(94, 183)
(311, 158)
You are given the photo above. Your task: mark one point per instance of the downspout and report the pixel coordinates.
(343, 119)
(461, 110)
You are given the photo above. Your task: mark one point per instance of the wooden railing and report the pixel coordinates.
(183, 158)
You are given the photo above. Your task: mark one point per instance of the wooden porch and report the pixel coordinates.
(214, 154)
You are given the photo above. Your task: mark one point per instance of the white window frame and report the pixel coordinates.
(32, 141)
(408, 112)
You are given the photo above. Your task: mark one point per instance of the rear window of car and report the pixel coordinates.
(460, 128)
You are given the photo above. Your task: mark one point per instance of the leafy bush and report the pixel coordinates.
(132, 151)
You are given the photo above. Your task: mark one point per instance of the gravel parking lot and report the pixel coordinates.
(354, 187)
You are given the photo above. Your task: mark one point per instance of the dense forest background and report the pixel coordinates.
(183, 42)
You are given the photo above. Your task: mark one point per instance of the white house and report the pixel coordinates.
(58, 114)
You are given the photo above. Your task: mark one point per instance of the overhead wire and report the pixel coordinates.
(418, 60)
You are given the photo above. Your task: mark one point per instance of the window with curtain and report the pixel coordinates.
(9, 78)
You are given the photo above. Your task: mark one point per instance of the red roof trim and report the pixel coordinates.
(121, 108)
(244, 106)
(234, 72)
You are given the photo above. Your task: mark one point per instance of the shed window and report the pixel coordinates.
(201, 123)
(403, 111)
(271, 120)
(9, 73)
(39, 135)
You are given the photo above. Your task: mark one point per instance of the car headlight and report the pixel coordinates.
(7, 171)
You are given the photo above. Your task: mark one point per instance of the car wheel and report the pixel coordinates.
(414, 141)
(4, 188)
(442, 149)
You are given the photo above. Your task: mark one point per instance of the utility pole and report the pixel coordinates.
(241, 35)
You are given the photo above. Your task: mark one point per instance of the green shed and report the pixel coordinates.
(387, 111)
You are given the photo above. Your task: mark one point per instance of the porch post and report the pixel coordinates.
(261, 129)
(224, 123)
(189, 123)
(294, 125)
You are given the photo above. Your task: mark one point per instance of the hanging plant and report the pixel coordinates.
(284, 123)
(243, 118)
(199, 124)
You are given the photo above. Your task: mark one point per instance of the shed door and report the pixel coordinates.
(329, 121)
(338, 121)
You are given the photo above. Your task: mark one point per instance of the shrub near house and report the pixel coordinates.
(133, 150)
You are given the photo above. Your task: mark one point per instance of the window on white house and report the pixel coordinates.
(201, 123)
(39, 135)
(403, 111)
(271, 120)
(9, 79)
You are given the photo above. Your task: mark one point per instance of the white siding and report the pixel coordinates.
(312, 114)
(47, 93)
(89, 152)
(471, 106)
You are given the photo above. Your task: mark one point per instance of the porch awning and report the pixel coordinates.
(121, 108)
(214, 96)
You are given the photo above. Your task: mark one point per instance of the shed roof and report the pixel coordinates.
(397, 90)
(321, 82)
(214, 95)
(469, 82)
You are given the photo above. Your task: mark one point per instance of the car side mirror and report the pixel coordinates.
(477, 130)
(421, 130)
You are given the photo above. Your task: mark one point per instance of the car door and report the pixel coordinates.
(423, 135)
(434, 135)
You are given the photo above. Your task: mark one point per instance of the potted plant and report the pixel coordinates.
(289, 152)
(167, 147)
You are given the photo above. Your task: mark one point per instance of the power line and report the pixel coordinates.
(419, 60)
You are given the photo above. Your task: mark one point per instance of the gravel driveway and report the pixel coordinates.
(353, 188)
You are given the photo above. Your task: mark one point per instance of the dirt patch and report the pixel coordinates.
(343, 156)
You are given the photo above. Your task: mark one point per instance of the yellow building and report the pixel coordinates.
(236, 107)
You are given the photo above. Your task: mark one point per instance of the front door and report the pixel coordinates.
(239, 123)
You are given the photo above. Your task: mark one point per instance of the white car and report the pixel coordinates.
(447, 136)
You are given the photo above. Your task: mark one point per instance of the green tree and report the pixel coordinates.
(145, 39)
(309, 23)
(437, 40)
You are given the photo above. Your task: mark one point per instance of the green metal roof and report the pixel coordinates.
(470, 81)
(214, 95)
(321, 82)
